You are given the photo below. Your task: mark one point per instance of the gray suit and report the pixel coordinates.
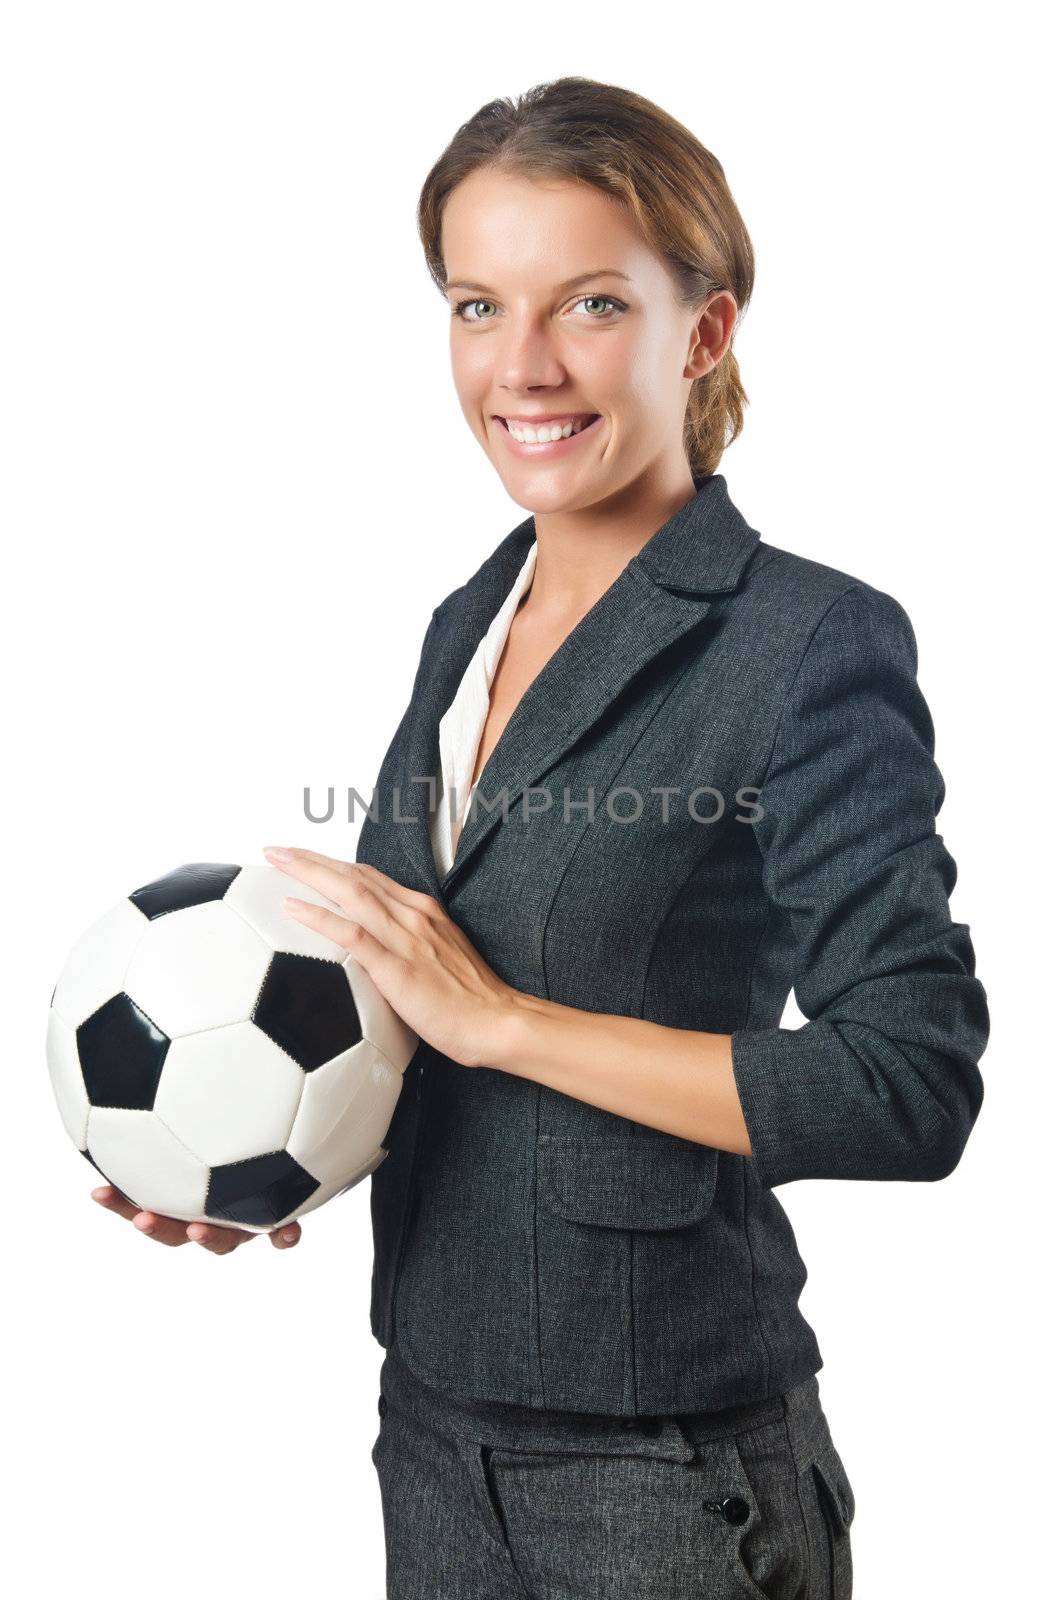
(533, 1249)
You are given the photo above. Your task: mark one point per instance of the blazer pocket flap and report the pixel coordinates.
(652, 1183)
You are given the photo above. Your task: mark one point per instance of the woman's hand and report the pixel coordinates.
(410, 947)
(171, 1230)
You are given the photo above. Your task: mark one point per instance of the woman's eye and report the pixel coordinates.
(461, 307)
(601, 300)
(585, 299)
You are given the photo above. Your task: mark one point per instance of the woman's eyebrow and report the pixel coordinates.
(571, 283)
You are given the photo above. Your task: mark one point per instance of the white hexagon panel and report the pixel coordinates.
(217, 1061)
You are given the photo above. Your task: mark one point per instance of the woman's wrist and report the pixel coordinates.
(514, 1031)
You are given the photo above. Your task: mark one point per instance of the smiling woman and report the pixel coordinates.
(587, 174)
(538, 348)
(598, 1379)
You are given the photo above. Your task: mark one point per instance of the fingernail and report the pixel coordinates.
(277, 852)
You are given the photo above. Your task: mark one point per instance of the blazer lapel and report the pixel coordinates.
(662, 593)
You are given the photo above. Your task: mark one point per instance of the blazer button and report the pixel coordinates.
(382, 1405)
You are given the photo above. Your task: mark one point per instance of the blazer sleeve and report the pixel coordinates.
(882, 1082)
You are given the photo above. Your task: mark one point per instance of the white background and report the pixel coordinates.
(236, 482)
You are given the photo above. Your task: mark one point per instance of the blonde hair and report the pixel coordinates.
(675, 189)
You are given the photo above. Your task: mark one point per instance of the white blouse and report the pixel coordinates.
(460, 729)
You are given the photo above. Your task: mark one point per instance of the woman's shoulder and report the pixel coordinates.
(780, 591)
(784, 584)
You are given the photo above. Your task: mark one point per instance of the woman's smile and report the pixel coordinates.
(565, 437)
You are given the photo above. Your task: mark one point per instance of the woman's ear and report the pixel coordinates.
(713, 330)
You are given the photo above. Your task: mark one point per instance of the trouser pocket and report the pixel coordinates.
(769, 1550)
(828, 1503)
(382, 1429)
(487, 1493)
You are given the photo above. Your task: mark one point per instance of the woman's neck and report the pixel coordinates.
(580, 553)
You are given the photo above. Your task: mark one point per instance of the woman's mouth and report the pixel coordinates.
(546, 439)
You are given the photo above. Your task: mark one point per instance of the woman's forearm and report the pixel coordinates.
(675, 1079)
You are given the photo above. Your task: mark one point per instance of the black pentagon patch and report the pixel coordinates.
(103, 1175)
(183, 887)
(121, 1054)
(306, 1006)
(258, 1193)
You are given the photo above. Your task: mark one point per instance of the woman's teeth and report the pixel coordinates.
(526, 433)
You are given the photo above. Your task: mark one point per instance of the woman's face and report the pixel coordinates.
(530, 342)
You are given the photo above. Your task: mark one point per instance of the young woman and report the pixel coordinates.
(654, 772)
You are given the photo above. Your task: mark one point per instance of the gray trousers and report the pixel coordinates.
(485, 1501)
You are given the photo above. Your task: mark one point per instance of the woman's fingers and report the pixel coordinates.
(174, 1231)
(353, 869)
(166, 1230)
(219, 1241)
(222, 1241)
(332, 881)
(343, 882)
(110, 1199)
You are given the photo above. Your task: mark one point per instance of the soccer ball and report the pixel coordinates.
(217, 1061)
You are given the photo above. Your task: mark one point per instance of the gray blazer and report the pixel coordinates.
(534, 1249)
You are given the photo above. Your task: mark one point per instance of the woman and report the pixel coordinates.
(653, 772)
